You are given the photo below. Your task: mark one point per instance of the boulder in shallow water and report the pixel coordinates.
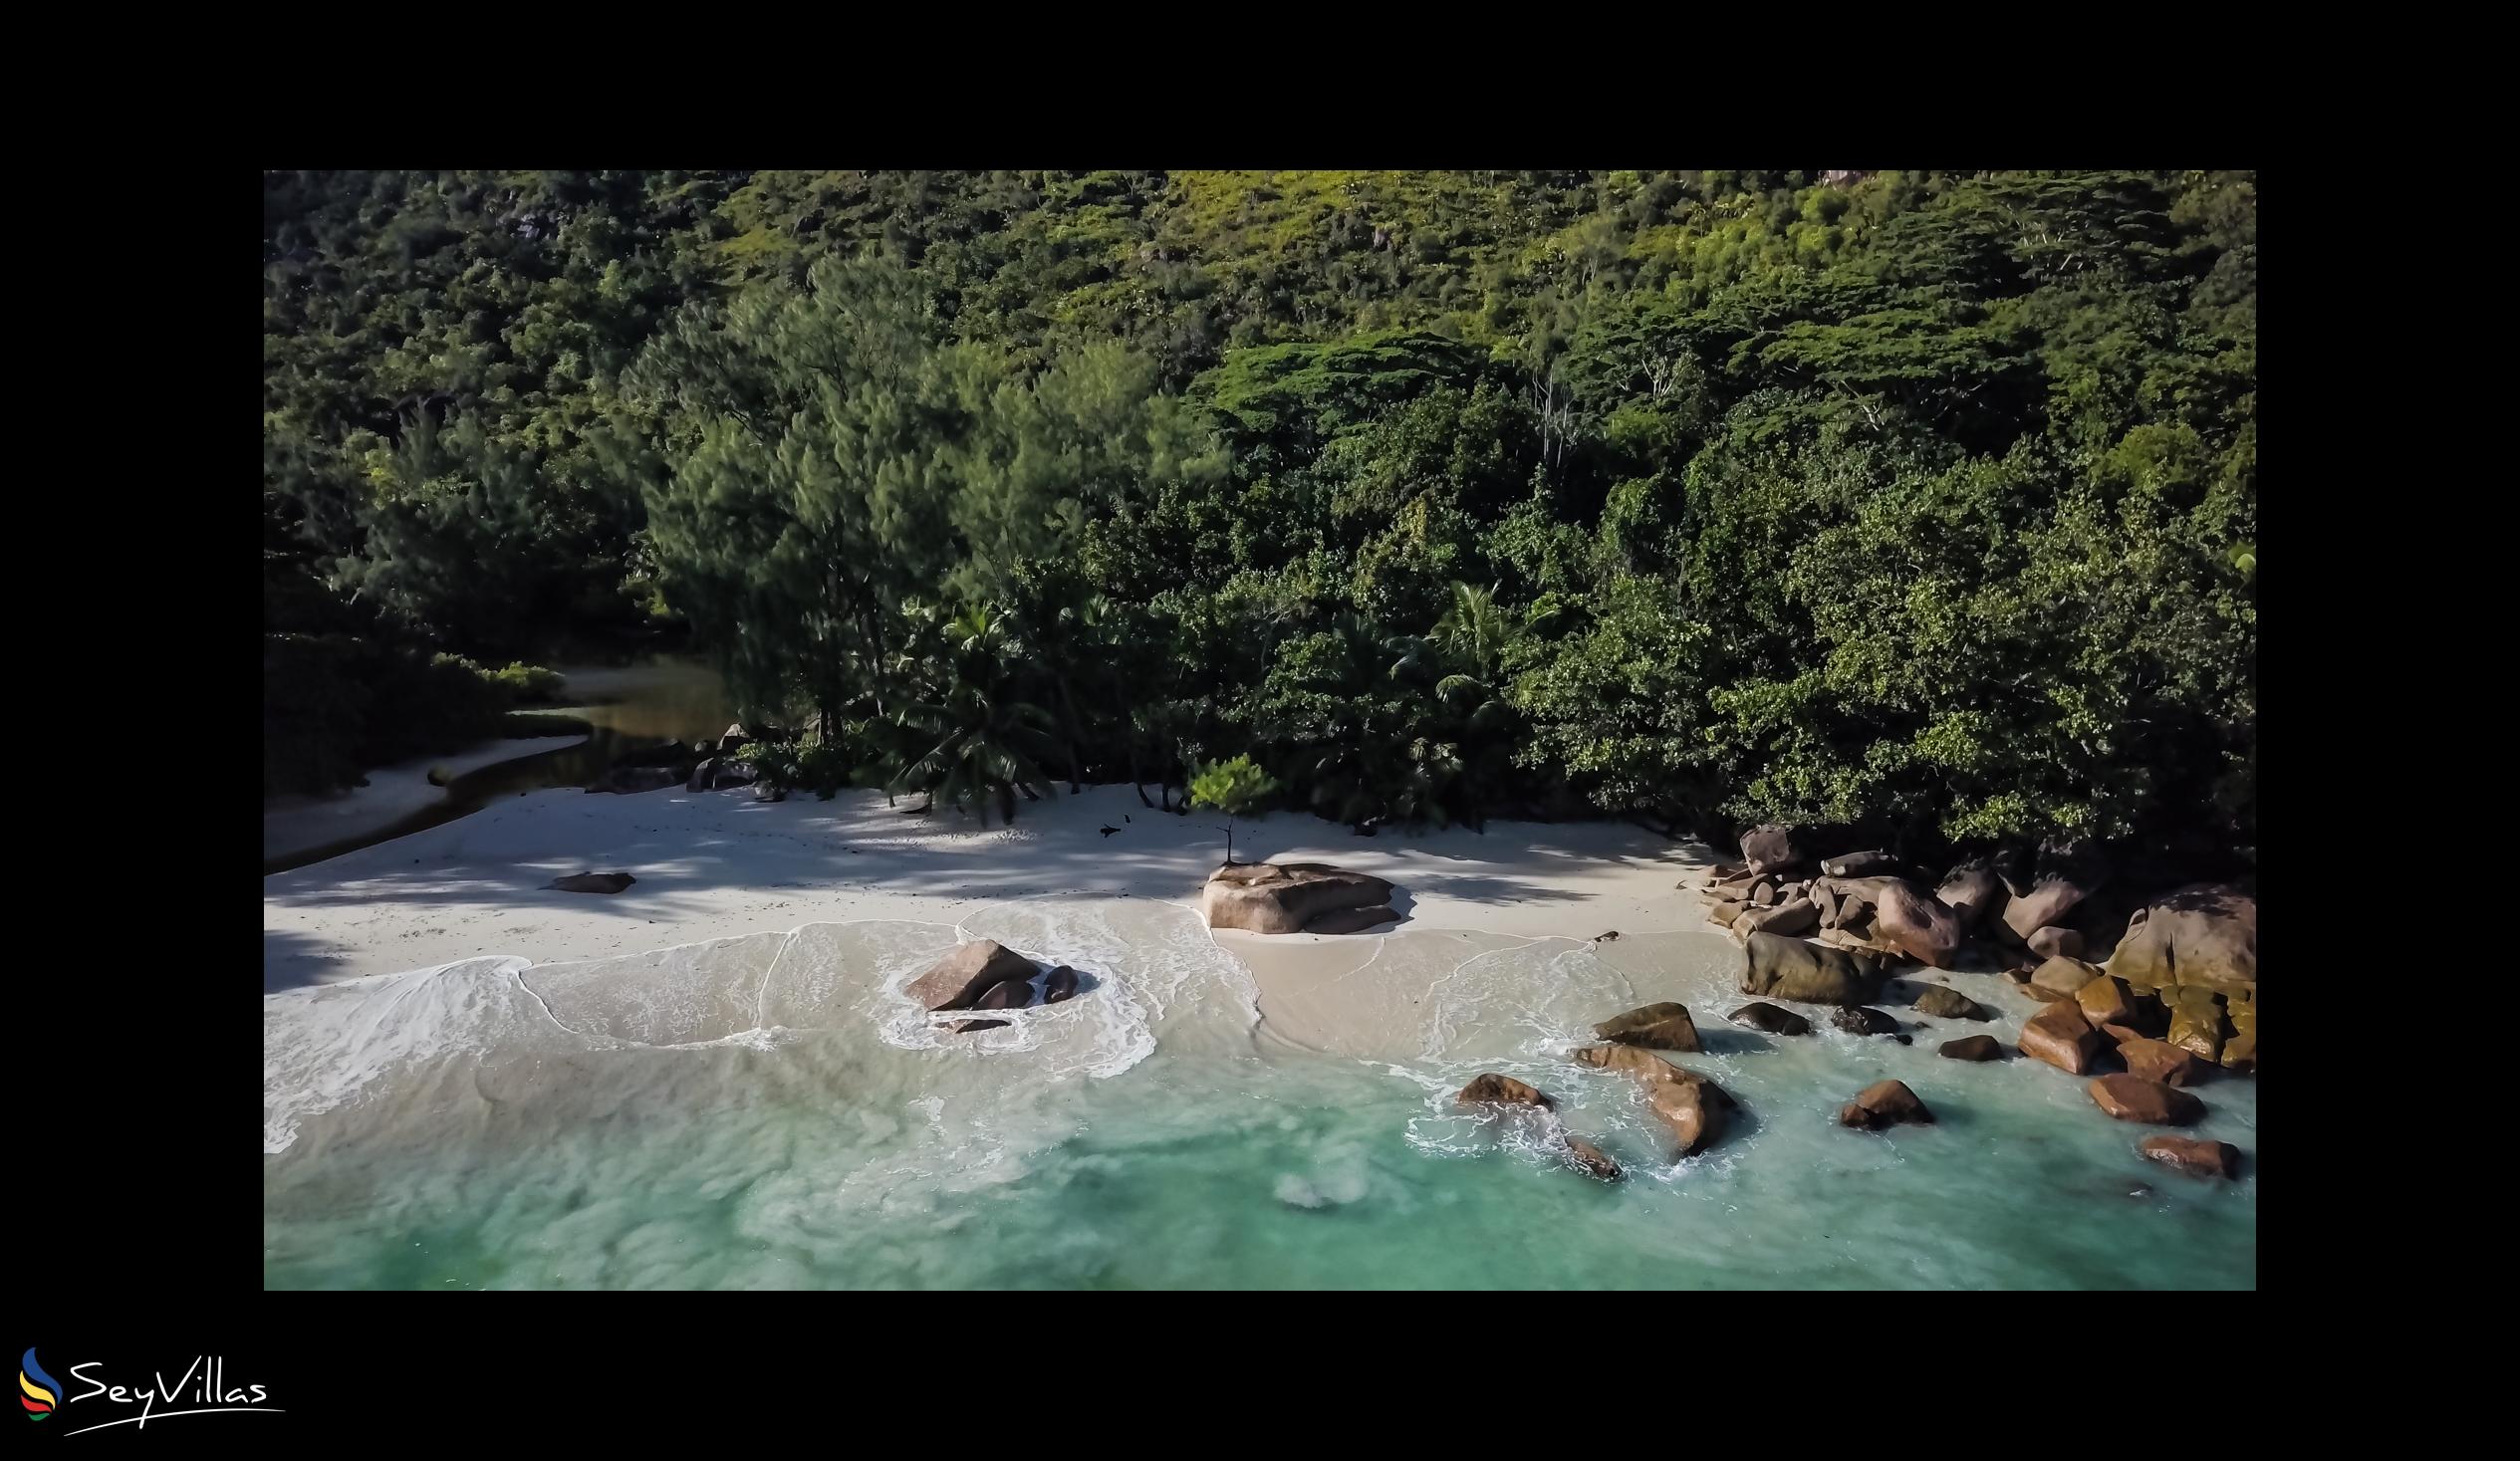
(1691, 1105)
(592, 882)
(1859, 1021)
(1656, 1026)
(1772, 1019)
(1275, 898)
(1007, 994)
(2133, 1098)
(1788, 968)
(1972, 1047)
(2060, 1036)
(2159, 1059)
(1885, 1103)
(1060, 985)
(2106, 1001)
(2063, 977)
(2203, 934)
(1590, 1161)
(1942, 1002)
(970, 971)
(2195, 1158)
(1495, 1089)
(2054, 942)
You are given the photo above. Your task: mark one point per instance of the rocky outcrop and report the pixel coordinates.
(1495, 1089)
(1885, 1103)
(1795, 917)
(1272, 897)
(2060, 1036)
(1727, 913)
(2159, 1059)
(2106, 1001)
(2053, 942)
(1656, 1026)
(2063, 977)
(2064, 880)
(1903, 917)
(592, 882)
(2239, 1052)
(1971, 891)
(1009, 994)
(1788, 968)
(2204, 936)
(1869, 864)
(959, 979)
(2133, 1098)
(1972, 1047)
(1942, 1002)
(1773, 848)
(2196, 1022)
(2195, 1158)
(1864, 1022)
(1692, 1106)
(1772, 1019)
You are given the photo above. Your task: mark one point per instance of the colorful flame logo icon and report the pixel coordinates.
(42, 1391)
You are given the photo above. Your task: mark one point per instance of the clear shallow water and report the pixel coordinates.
(769, 1112)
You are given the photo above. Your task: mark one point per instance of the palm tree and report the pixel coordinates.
(985, 735)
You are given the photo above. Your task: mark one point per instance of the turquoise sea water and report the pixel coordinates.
(768, 1112)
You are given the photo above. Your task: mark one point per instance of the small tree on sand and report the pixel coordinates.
(1235, 788)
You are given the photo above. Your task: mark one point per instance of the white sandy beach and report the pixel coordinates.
(718, 865)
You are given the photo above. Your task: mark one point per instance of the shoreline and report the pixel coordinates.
(718, 865)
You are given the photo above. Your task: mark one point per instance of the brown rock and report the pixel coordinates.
(1692, 1106)
(2061, 1035)
(1971, 891)
(2122, 1033)
(1873, 863)
(2065, 976)
(1864, 1022)
(1009, 994)
(1763, 893)
(2240, 1054)
(2106, 1001)
(1273, 898)
(2132, 1098)
(1945, 1003)
(2196, 1022)
(1973, 1048)
(1656, 1026)
(1502, 1090)
(1788, 968)
(1590, 1161)
(1885, 1103)
(2203, 934)
(2053, 942)
(592, 882)
(1728, 892)
(1773, 1019)
(2063, 882)
(1905, 917)
(971, 970)
(1727, 913)
(1773, 848)
(2159, 1059)
(1060, 985)
(2195, 1158)
(1796, 915)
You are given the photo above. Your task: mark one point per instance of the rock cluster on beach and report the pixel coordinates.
(2143, 1014)
(1295, 898)
(701, 767)
(986, 975)
(1511, 1097)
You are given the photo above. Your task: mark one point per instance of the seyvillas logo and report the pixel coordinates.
(202, 1389)
(42, 1391)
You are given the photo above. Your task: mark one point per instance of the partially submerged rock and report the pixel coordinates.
(1885, 1103)
(2106, 1001)
(2063, 977)
(959, 979)
(1590, 1161)
(1788, 968)
(1273, 898)
(2159, 1059)
(1656, 1026)
(1972, 1047)
(1691, 1105)
(1772, 1019)
(1942, 1002)
(1060, 985)
(2194, 1157)
(2133, 1098)
(2060, 1036)
(1494, 1090)
(1859, 1021)
(592, 882)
